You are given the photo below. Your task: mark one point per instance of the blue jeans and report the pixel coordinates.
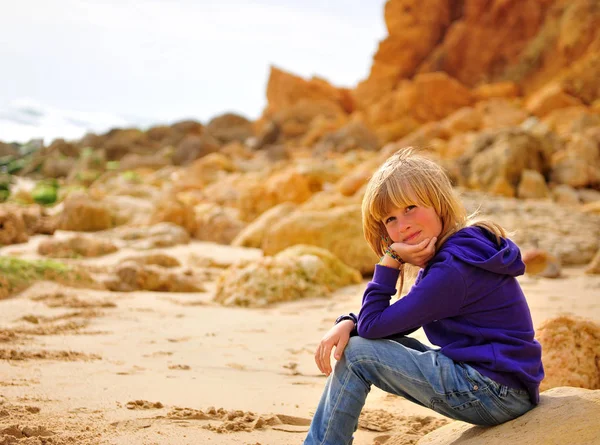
(406, 367)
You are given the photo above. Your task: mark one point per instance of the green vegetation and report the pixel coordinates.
(112, 165)
(132, 177)
(45, 192)
(4, 187)
(17, 274)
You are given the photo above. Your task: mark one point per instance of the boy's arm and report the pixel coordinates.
(439, 294)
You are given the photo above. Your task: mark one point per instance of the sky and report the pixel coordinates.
(165, 60)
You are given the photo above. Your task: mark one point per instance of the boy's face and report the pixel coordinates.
(412, 224)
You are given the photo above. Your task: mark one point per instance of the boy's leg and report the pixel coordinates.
(423, 376)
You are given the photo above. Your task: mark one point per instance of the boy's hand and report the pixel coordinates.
(337, 336)
(416, 254)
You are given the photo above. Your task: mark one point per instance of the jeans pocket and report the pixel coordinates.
(512, 402)
(470, 411)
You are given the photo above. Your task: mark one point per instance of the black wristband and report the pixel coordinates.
(349, 316)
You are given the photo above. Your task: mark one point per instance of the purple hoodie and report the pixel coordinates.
(469, 303)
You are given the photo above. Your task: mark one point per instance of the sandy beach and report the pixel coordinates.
(85, 366)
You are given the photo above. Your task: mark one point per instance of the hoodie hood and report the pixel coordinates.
(477, 246)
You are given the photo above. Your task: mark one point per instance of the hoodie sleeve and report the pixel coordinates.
(438, 294)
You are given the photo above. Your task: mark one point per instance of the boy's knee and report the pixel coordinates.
(357, 348)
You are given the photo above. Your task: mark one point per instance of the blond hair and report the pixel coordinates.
(407, 178)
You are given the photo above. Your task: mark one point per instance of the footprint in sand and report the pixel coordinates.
(144, 404)
(239, 421)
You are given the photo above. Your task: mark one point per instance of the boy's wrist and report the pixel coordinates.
(388, 261)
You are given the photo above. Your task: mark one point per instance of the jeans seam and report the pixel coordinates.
(498, 402)
(395, 371)
(337, 402)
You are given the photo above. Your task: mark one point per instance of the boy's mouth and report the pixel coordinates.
(412, 237)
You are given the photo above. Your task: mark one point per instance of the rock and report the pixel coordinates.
(550, 98)
(119, 142)
(462, 120)
(354, 181)
(497, 89)
(144, 238)
(268, 134)
(532, 185)
(169, 209)
(64, 148)
(217, 224)
(570, 352)
(429, 97)
(541, 263)
(157, 259)
(354, 135)
(285, 186)
(534, 223)
(252, 235)
(567, 121)
(194, 146)
(496, 160)
(594, 267)
(285, 90)
(230, 127)
(12, 227)
(81, 213)
(565, 194)
(36, 219)
(20, 274)
(8, 150)
(76, 246)
(485, 39)
(296, 273)
(204, 171)
(414, 28)
(591, 207)
(132, 276)
(578, 165)
(155, 161)
(500, 113)
(564, 415)
(338, 230)
(308, 120)
(587, 196)
(130, 210)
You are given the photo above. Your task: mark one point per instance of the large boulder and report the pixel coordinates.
(194, 146)
(12, 227)
(578, 165)
(132, 276)
(296, 273)
(285, 186)
(81, 213)
(429, 97)
(252, 235)
(570, 352)
(217, 224)
(496, 160)
(285, 90)
(172, 210)
(338, 230)
(230, 127)
(564, 415)
(75, 247)
(164, 234)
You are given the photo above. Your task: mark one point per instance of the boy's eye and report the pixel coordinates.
(409, 208)
(390, 219)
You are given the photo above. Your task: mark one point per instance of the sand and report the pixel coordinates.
(81, 366)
